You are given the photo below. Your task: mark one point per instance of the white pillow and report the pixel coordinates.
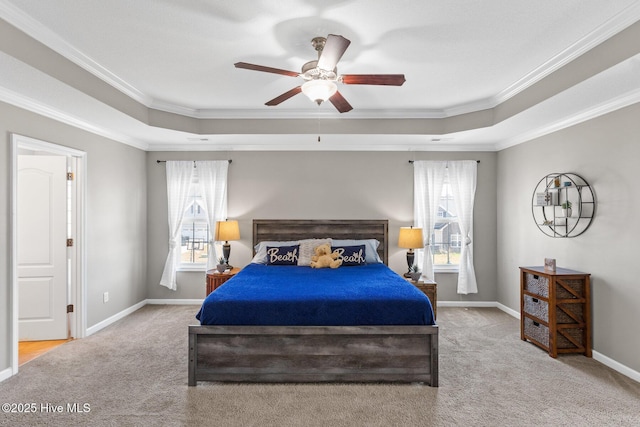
(261, 250)
(370, 248)
(307, 247)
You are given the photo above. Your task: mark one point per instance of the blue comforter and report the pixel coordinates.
(275, 295)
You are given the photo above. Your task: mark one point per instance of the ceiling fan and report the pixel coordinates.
(321, 75)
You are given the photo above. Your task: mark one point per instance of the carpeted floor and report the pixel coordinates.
(134, 373)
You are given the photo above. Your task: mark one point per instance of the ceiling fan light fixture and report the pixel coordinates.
(319, 90)
(321, 75)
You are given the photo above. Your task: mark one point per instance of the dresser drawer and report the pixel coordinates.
(536, 307)
(536, 284)
(536, 331)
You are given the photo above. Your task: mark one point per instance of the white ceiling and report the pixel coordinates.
(458, 56)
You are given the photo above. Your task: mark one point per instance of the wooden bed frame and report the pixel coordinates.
(315, 353)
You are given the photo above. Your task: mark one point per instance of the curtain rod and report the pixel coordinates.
(165, 161)
(411, 161)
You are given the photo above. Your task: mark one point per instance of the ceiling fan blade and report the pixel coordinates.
(266, 69)
(373, 79)
(334, 48)
(278, 99)
(340, 103)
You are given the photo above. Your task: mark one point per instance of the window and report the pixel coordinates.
(196, 198)
(195, 239)
(444, 194)
(195, 234)
(446, 235)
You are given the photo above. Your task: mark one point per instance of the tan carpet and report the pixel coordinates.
(134, 373)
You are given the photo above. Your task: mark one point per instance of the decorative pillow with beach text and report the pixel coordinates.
(351, 255)
(282, 255)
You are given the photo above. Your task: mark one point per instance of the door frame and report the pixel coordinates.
(78, 324)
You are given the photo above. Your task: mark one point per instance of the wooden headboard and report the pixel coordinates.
(298, 229)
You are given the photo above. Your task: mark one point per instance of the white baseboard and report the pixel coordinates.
(99, 326)
(175, 301)
(508, 310)
(467, 304)
(6, 374)
(616, 366)
(493, 304)
(607, 361)
(106, 322)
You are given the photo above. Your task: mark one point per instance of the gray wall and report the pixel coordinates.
(322, 185)
(605, 151)
(116, 216)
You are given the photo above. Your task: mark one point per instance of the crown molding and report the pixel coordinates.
(309, 142)
(42, 109)
(283, 113)
(592, 112)
(39, 32)
(325, 147)
(604, 32)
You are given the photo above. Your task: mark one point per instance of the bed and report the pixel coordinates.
(394, 345)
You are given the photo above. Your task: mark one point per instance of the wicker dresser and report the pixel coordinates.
(555, 310)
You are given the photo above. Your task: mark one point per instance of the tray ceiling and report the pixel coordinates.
(159, 74)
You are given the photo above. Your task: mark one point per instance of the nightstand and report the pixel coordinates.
(430, 289)
(216, 279)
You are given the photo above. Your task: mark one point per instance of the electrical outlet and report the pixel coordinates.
(105, 297)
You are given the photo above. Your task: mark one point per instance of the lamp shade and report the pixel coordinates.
(410, 238)
(319, 90)
(227, 230)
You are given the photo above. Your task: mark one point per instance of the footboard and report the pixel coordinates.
(313, 354)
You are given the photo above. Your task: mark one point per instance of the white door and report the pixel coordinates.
(42, 259)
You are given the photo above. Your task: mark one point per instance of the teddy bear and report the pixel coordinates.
(325, 258)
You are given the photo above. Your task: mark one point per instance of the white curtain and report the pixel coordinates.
(428, 179)
(212, 179)
(179, 179)
(463, 178)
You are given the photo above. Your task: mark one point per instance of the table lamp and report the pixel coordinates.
(410, 238)
(225, 231)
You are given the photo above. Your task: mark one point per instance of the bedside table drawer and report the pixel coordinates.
(536, 307)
